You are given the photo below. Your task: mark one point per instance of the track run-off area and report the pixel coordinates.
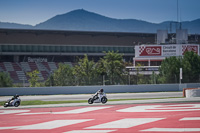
(98, 118)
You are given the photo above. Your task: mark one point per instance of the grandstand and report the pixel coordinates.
(24, 51)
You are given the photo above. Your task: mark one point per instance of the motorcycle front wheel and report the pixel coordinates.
(90, 101)
(5, 105)
(104, 99)
(17, 104)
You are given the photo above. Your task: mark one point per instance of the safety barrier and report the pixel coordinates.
(92, 89)
(191, 92)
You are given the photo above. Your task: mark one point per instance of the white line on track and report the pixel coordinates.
(74, 111)
(81, 110)
(190, 118)
(172, 130)
(3, 112)
(162, 108)
(90, 131)
(125, 123)
(47, 125)
(38, 113)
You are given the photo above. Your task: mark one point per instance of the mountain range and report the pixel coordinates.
(82, 20)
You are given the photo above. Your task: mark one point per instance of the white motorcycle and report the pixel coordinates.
(15, 101)
(98, 99)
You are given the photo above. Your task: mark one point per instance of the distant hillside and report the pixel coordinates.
(87, 21)
(15, 26)
(82, 20)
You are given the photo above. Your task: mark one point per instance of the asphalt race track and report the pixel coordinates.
(127, 118)
(87, 96)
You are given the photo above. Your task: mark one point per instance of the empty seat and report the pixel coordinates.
(8, 66)
(52, 66)
(21, 75)
(25, 66)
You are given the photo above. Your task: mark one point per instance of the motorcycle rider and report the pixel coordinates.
(15, 97)
(99, 94)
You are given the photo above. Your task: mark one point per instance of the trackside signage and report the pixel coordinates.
(186, 48)
(150, 50)
(165, 50)
(171, 50)
(37, 59)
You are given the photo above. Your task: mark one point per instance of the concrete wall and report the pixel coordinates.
(93, 89)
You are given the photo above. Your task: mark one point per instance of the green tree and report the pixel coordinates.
(85, 71)
(153, 78)
(140, 78)
(191, 67)
(5, 80)
(50, 80)
(63, 76)
(114, 66)
(101, 71)
(170, 70)
(34, 78)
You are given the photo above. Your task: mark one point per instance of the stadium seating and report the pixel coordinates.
(33, 66)
(21, 75)
(18, 70)
(68, 63)
(16, 66)
(2, 67)
(25, 66)
(52, 66)
(8, 66)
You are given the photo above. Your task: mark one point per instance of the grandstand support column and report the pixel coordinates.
(23, 81)
(51, 78)
(52, 60)
(103, 80)
(16, 58)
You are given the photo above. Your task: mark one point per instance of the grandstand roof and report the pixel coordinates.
(37, 31)
(61, 37)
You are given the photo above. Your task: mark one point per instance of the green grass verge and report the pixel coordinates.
(39, 102)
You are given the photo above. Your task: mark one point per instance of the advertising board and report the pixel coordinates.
(165, 50)
(170, 50)
(150, 50)
(186, 48)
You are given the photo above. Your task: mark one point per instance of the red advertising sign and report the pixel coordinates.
(150, 51)
(187, 48)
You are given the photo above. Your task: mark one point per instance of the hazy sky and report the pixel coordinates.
(155, 11)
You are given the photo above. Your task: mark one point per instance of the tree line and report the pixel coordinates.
(170, 69)
(110, 70)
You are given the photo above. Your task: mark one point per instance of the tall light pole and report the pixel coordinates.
(181, 75)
